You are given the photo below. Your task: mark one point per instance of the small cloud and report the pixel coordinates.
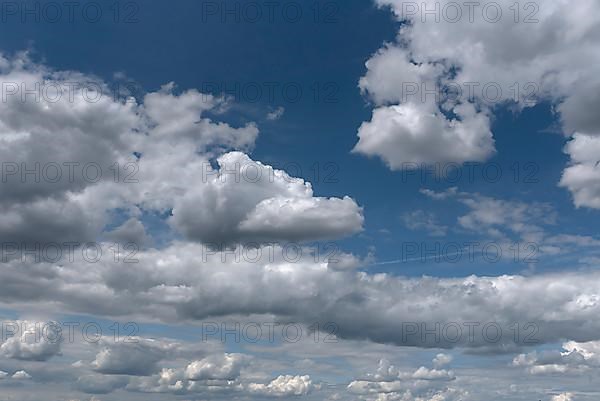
(421, 220)
(441, 360)
(275, 114)
(21, 375)
(563, 397)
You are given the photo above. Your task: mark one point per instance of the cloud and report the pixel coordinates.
(21, 375)
(185, 282)
(246, 201)
(216, 367)
(71, 163)
(283, 386)
(34, 341)
(179, 116)
(99, 384)
(389, 383)
(408, 134)
(421, 220)
(582, 176)
(136, 357)
(130, 232)
(576, 358)
(275, 114)
(437, 86)
(563, 397)
(441, 360)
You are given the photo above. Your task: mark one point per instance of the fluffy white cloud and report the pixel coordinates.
(92, 157)
(582, 176)
(247, 201)
(135, 356)
(575, 358)
(389, 383)
(216, 367)
(283, 386)
(185, 282)
(436, 87)
(563, 397)
(21, 375)
(441, 360)
(35, 341)
(409, 135)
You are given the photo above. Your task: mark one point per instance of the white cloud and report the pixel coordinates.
(34, 341)
(283, 386)
(576, 358)
(185, 281)
(563, 397)
(484, 62)
(441, 360)
(276, 114)
(216, 367)
(135, 356)
(389, 383)
(21, 375)
(247, 201)
(421, 220)
(415, 134)
(162, 147)
(582, 176)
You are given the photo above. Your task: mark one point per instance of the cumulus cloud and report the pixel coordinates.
(184, 282)
(216, 367)
(247, 201)
(220, 375)
(575, 358)
(410, 134)
(135, 357)
(390, 383)
(72, 162)
(582, 176)
(563, 397)
(33, 341)
(21, 375)
(436, 87)
(283, 386)
(441, 360)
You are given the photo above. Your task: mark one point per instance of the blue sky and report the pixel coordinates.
(414, 246)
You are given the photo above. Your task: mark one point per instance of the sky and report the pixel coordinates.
(325, 200)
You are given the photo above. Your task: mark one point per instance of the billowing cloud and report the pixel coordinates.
(411, 135)
(246, 201)
(283, 386)
(216, 367)
(389, 383)
(71, 159)
(436, 87)
(34, 341)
